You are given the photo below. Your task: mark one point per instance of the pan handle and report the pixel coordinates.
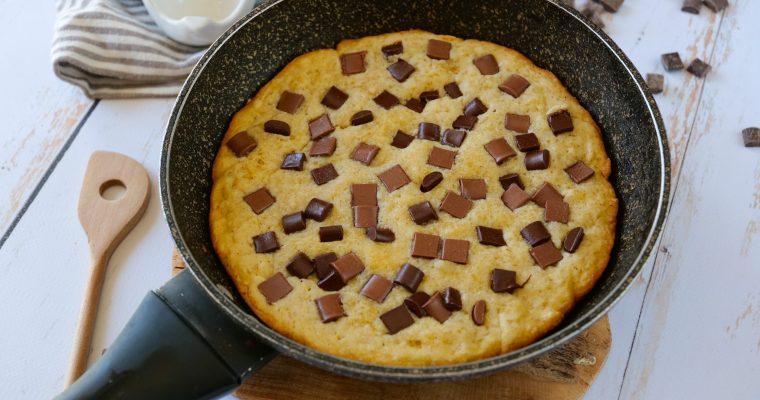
(178, 345)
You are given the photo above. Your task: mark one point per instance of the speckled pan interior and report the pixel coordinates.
(556, 38)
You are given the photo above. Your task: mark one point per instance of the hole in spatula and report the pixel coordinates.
(112, 190)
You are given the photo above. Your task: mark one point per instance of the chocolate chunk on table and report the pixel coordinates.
(556, 211)
(277, 127)
(300, 265)
(293, 222)
(515, 85)
(324, 174)
(322, 264)
(415, 302)
(428, 96)
(751, 137)
(394, 178)
(323, 147)
(672, 61)
(536, 160)
(376, 288)
(475, 107)
(401, 70)
(455, 250)
(442, 158)
(490, 236)
(452, 90)
(382, 235)
(516, 122)
(716, 5)
(514, 197)
(430, 181)
(691, 6)
(422, 213)
(320, 127)
(546, 254)
(409, 276)
(435, 308)
(699, 68)
(275, 287)
(396, 319)
(392, 49)
(241, 144)
(473, 189)
(401, 140)
(289, 102)
(362, 117)
(573, 240)
(500, 150)
(348, 266)
(466, 122)
(579, 172)
(415, 105)
(332, 233)
(317, 209)
(386, 100)
(486, 64)
(535, 233)
(352, 63)
(545, 192)
(425, 246)
(429, 131)
(365, 216)
(560, 122)
(334, 98)
(503, 280)
(453, 137)
(611, 5)
(527, 142)
(293, 161)
(438, 49)
(364, 153)
(330, 307)
(655, 83)
(266, 242)
(259, 200)
(452, 299)
(456, 205)
(478, 313)
(363, 194)
(332, 282)
(508, 179)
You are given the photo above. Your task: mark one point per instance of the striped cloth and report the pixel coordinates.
(113, 49)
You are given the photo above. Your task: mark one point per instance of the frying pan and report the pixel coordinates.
(196, 338)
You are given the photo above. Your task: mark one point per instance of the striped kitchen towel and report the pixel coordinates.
(113, 49)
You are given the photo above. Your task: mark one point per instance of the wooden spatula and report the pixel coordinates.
(106, 222)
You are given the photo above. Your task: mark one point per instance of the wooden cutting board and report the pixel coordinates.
(563, 374)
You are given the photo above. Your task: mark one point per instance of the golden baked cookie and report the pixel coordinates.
(263, 189)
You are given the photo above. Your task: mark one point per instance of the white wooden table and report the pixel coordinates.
(689, 328)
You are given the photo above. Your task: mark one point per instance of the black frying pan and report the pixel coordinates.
(196, 338)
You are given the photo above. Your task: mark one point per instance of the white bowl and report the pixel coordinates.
(196, 22)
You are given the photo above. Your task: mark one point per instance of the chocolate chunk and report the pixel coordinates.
(535, 233)
(430, 181)
(527, 142)
(293, 222)
(293, 161)
(323, 147)
(415, 105)
(751, 137)
(573, 240)
(691, 6)
(656, 83)
(611, 5)
(428, 96)
(455, 250)
(479, 312)
(509, 179)
(546, 254)
(317, 209)
(435, 308)
(334, 98)
(475, 107)
(348, 266)
(514, 197)
(410, 276)
(569, 3)
(332, 233)
(486, 64)
(402, 140)
(515, 85)
(300, 266)
(320, 127)
(452, 89)
(365, 216)
(456, 205)
(517, 122)
(392, 49)
(466, 122)
(289, 102)
(453, 137)
(363, 194)
(716, 5)
(429, 131)
(362, 117)
(503, 280)
(672, 61)
(352, 63)
(330, 307)
(324, 174)
(400, 70)
(266, 242)
(394, 178)
(259, 200)
(425, 246)
(592, 10)
(579, 172)
(545, 192)
(699, 68)
(322, 264)
(382, 235)
(473, 189)
(438, 49)
(386, 100)
(490, 236)
(538, 159)
(422, 213)
(364, 153)
(396, 319)
(332, 282)
(452, 299)
(241, 144)
(275, 287)
(560, 122)
(414, 303)
(440, 157)
(376, 288)
(557, 211)
(500, 151)
(277, 127)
